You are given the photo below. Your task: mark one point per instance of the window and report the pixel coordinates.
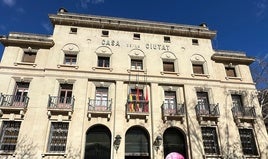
(65, 93)
(101, 97)
(168, 66)
(9, 135)
(210, 140)
(105, 33)
(29, 57)
(58, 137)
(136, 36)
(103, 61)
(70, 59)
(237, 100)
(202, 101)
(248, 142)
(137, 94)
(136, 65)
(170, 100)
(73, 30)
(21, 93)
(166, 39)
(195, 41)
(198, 69)
(230, 72)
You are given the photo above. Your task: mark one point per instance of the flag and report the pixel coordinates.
(137, 99)
(146, 109)
(130, 105)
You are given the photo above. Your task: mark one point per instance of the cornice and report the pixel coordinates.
(92, 21)
(232, 57)
(27, 40)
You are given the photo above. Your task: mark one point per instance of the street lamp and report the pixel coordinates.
(157, 142)
(117, 142)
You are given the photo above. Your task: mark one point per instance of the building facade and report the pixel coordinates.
(103, 87)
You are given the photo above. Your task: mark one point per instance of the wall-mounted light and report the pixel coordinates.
(117, 142)
(158, 142)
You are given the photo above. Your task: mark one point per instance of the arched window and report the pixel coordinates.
(137, 143)
(174, 141)
(98, 143)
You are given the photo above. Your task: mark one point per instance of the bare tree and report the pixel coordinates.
(259, 71)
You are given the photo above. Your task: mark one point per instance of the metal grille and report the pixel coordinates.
(9, 135)
(248, 142)
(210, 140)
(58, 137)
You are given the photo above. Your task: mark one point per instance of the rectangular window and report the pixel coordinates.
(168, 66)
(9, 135)
(136, 36)
(58, 137)
(237, 100)
(202, 101)
(105, 33)
(101, 97)
(198, 69)
(210, 140)
(166, 39)
(230, 72)
(170, 100)
(248, 142)
(73, 30)
(21, 93)
(103, 61)
(70, 59)
(65, 93)
(195, 41)
(136, 65)
(137, 94)
(29, 57)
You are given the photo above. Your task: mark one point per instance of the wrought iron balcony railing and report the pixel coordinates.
(96, 105)
(137, 106)
(244, 112)
(56, 102)
(170, 109)
(13, 101)
(210, 110)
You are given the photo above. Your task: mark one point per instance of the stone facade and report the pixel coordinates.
(103, 87)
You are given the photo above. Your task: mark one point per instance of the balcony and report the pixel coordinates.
(60, 105)
(99, 108)
(244, 114)
(172, 111)
(208, 112)
(137, 109)
(16, 104)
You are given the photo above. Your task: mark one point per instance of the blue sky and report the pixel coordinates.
(241, 25)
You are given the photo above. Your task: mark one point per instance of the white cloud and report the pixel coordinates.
(97, 1)
(9, 3)
(84, 3)
(261, 8)
(47, 27)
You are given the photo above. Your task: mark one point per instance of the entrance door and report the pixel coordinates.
(137, 144)
(174, 141)
(98, 143)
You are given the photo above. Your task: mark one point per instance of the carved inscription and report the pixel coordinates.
(148, 46)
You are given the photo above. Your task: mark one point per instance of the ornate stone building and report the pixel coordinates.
(103, 87)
